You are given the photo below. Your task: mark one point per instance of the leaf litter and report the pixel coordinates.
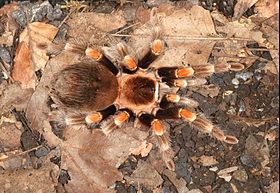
(91, 159)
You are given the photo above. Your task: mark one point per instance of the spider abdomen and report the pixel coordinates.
(88, 86)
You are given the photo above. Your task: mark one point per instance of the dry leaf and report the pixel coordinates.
(14, 96)
(144, 149)
(146, 175)
(31, 54)
(257, 151)
(92, 28)
(9, 133)
(210, 90)
(85, 153)
(205, 160)
(10, 26)
(182, 40)
(29, 180)
(271, 136)
(180, 184)
(241, 7)
(23, 70)
(273, 188)
(244, 30)
(7, 9)
(226, 173)
(267, 8)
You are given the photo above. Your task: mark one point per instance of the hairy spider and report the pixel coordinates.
(109, 93)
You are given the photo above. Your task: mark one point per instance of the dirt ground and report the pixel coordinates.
(39, 155)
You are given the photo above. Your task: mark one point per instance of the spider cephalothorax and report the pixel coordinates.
(109, 93)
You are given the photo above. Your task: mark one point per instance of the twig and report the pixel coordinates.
(186, 37)
(130, 26)
(4, 69)
(21, 153)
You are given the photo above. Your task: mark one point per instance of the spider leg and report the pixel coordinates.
(94, 54)
(128, 59)
(206, 70)
(97, 117)
(119, 119)
(159, 128)
(174, 98)
(99, 56)
(156, 48)
(183, 83)
(201, 123)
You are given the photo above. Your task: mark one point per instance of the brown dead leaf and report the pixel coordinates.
(143, 14)
(270, 29)
(267, 8)
(14, 96)
(234, 51)
(7, 9)
(23, 70)
(10, 132)
(9, 24)
(182, 40)
(143, 150)
(146, 175)
(94, 26)
(241, 7)
(85, 153)
(257, 151)
(205, 160)
(273, 188)
(31, 54)
(210, 90)
(29, 180)
(226, 173)
(180, 184)
(271, 136)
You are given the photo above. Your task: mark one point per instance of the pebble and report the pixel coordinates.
(5, 55)
(248, 160)
(240, 175)
(43, 151)
(54, 14)
(235, 81)
(19, 16)
(244, 75)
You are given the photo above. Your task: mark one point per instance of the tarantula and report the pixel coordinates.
(109, 94)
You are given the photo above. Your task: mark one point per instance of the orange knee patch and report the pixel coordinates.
(121, 118)
(93, 53)
(173, 98)
(93, 118)
(184, 72)
(189, 116)
(130, 62)
(157, 46)
(157, 127)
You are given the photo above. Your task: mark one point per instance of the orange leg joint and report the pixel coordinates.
(93, 53)
(93, 118)
(189, 116)
(157, 127)
(184, 72)
(121, 118)
(157, 46)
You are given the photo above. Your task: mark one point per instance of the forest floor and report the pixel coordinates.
(38, 155)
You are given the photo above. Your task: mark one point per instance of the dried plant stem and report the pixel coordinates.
(186, 37)
(21, 153)
(130, 26)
